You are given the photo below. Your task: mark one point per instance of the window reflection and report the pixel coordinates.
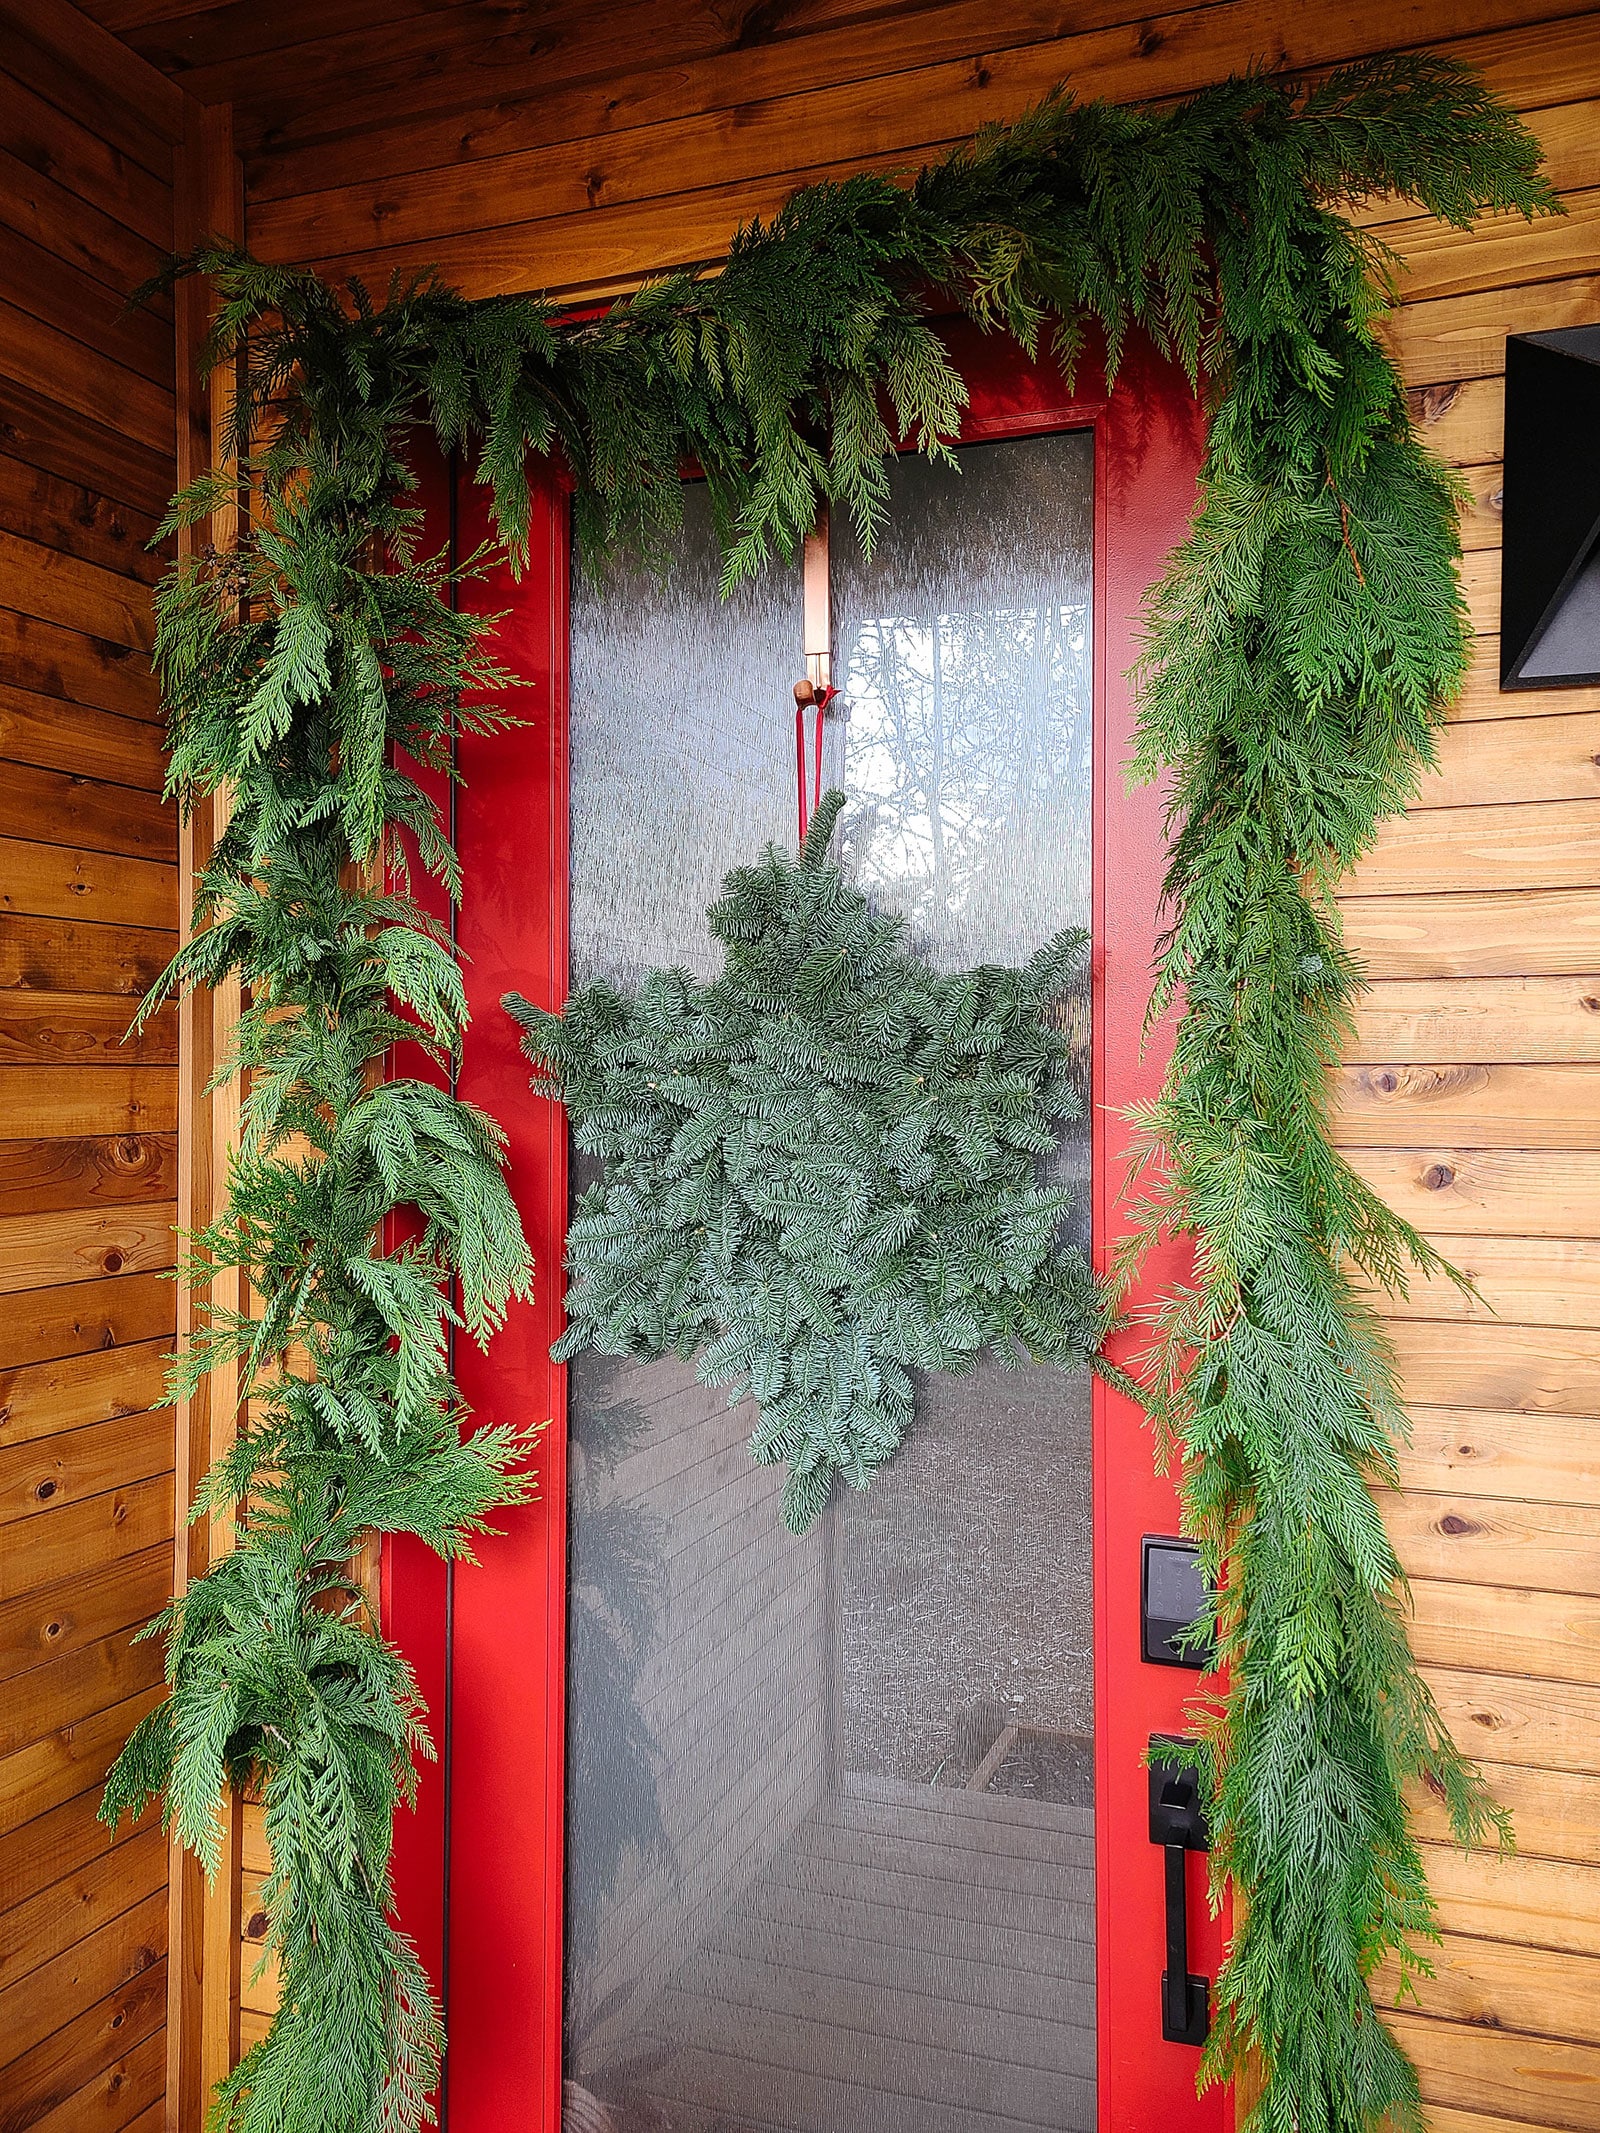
(965, 710)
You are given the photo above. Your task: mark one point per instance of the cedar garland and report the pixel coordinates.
(1301, 650)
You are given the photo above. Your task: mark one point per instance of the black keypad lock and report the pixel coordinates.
(1172, 1598)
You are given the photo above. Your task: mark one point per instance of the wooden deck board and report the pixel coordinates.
(911, 1960)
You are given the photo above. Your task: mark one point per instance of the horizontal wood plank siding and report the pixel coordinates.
(1471, 1104)
(88, 912)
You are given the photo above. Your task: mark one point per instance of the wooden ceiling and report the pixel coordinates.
(301, 71)
(578, 145)
(380, 134)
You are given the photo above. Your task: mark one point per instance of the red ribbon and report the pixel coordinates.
(809, 792)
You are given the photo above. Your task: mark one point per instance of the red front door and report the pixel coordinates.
(852, 1833)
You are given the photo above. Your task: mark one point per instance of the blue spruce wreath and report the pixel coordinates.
(821, 1170)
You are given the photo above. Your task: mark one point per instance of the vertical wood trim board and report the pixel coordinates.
(203, 1976)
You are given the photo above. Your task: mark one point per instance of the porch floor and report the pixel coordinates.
(915, 1960)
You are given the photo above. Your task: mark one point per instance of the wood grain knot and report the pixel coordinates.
(1434, 401)
(760, 24)
(1453, 1523)
(1437, 1176)
(112, 1262)
(1388, 1081)
(45, 1491)
(255, 1925)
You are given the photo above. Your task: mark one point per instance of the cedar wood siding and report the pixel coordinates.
(88, 1123)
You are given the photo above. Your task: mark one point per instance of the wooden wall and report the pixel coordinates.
(88, 1165)
(579, 146)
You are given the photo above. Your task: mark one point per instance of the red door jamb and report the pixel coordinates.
(483, 1895)
(1147, 454)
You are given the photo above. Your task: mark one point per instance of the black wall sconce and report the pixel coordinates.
(1550, 583)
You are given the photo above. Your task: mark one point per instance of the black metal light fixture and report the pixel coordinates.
(1550, 581)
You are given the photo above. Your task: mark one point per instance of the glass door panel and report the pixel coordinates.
(830, 1800)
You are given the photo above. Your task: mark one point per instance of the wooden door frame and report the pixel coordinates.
(479, 1869)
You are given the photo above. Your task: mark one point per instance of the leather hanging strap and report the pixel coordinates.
(816, 691)
(808, 788)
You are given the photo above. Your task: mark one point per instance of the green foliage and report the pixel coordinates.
(820, 1170)
(1299, 654)
(1300, 651)
(300, 673)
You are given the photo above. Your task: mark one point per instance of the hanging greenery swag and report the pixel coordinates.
(1301, 649)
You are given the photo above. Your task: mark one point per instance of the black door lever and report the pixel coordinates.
(1178, 1825)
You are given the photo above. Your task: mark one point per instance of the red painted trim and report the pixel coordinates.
(1147, 452)
(507, 1651)
(505, 1920)
(505, 1923)
(412, 1578)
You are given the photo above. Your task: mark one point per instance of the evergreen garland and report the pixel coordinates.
(1301, 650)
(294, 671)
(820, 1169)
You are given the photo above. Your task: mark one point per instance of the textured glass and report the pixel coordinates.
(682, 749)
(830, 1800)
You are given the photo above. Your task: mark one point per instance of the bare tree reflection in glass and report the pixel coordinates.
(963, 728)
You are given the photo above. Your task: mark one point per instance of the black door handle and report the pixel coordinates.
(1178, 1825)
